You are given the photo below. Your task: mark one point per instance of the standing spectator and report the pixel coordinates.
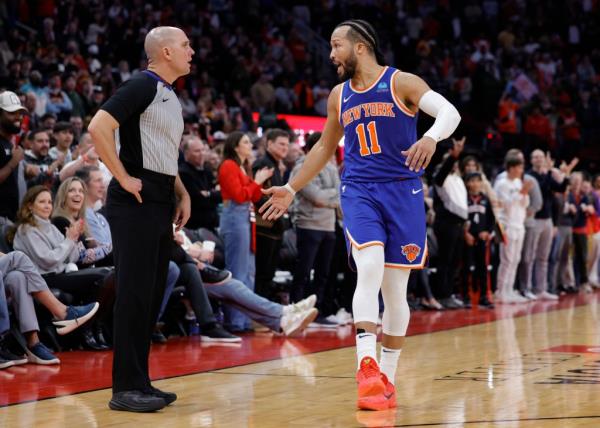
(538, 239)
(314, 217)
(478, 239)
(63, 135)
(582, 208)
(270, 233)
(513, 194)
(595, 232)
(562, 276)
(199, 181)
(239, 191)
(11, 168)
(450, 206)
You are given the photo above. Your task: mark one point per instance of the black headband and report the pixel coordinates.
(360, 28)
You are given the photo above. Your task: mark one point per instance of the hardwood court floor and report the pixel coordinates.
(532, 365)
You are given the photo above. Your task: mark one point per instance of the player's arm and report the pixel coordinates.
(282, 196)
(417, 95)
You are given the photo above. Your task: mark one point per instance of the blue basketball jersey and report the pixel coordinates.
(377, 128)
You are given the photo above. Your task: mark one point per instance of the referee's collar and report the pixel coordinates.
(158, 78)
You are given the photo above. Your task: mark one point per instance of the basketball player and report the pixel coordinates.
(375, 110)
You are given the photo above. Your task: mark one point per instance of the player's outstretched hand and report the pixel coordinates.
(277, 204)
(419, 155)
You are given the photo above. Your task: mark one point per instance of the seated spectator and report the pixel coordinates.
(55, 255)
(199, 181)
(63, 135)
(70, 208)
(289, 320)
(23, 283)
(58, 102)
(7, 358)
(42, 169)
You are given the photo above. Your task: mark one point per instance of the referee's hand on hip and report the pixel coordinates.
(132, 185)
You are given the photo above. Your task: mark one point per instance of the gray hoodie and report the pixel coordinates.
(324, 189)
(47, 248)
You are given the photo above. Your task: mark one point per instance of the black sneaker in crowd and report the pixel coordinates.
(216, 333)
(8, 359)
(136, 401)
(213, 276)
(466, 302)
(485, 303)
(450, 303)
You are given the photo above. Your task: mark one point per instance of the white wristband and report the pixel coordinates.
(289, 189)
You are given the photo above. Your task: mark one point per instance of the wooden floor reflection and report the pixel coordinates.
(538, 370)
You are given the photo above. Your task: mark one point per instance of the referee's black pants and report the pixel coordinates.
(141, 235)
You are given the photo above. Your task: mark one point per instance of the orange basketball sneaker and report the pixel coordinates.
(369, 379)
(383, 401)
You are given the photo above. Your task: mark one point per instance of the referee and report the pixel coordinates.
(144, 198)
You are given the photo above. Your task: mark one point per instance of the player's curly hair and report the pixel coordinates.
(363, 32)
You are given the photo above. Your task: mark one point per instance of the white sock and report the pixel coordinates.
(366, 346)
(389, 362)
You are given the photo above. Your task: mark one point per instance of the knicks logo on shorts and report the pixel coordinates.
(411, 252)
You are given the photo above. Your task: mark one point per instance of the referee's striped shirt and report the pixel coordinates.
(150, 124)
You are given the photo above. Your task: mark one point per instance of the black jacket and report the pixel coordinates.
(276, 228)
(204, 208)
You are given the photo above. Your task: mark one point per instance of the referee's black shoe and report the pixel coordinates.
(168, 397)
(136, 401)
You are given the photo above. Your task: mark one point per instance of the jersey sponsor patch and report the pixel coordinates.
(411, 252)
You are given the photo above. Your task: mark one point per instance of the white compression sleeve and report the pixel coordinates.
(396, 313)
(369, 268)
(446, 115)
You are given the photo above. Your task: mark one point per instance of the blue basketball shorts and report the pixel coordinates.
(390, 214)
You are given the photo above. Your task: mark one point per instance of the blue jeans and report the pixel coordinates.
(4, 319)
(234, 228)
(172, 275)
(237, 295)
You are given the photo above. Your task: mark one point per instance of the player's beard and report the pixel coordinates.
(348, 67)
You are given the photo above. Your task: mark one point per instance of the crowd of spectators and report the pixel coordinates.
(522, 73)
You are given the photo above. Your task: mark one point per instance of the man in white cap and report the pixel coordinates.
(11, 115)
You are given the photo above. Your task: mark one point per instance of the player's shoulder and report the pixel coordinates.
(404, 78)
(337, 90)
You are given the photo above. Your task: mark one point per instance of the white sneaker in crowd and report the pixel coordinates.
(301, 306)
(295, 322)
(544, 295)
(530, 296)
(343, 317)
(517, 298)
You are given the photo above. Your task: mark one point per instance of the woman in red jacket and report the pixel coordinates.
(239, 191)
